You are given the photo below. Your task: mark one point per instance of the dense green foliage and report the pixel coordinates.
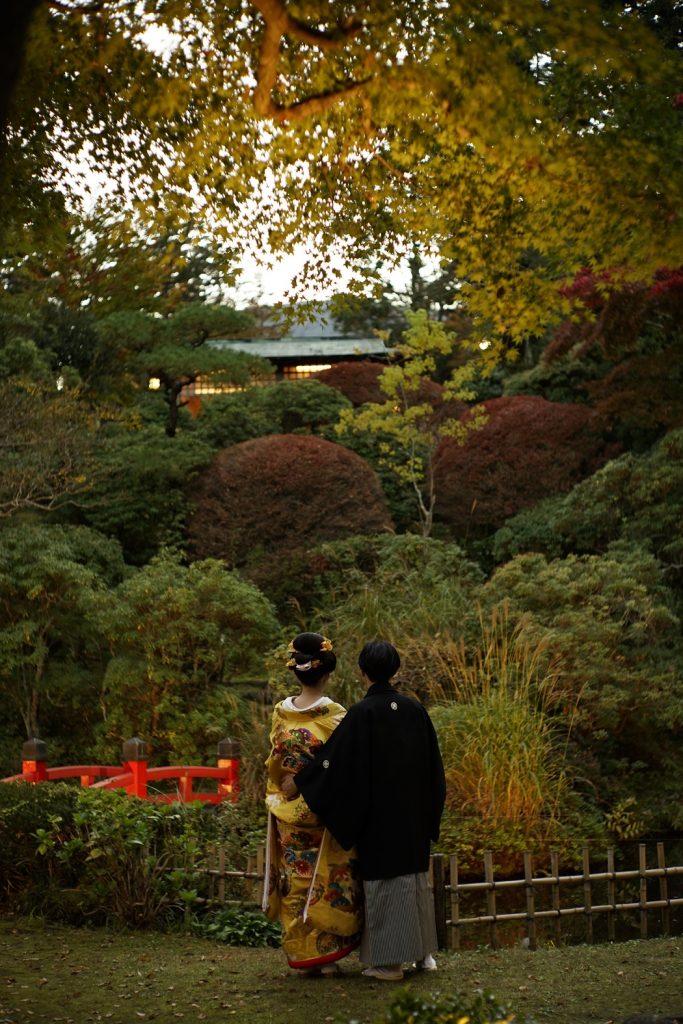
(142, 488)
(54, 583)
(79, 854)
(406, 588)
(611, 624)
(239, 926)
(91, 659)
(158, 548)
(180, 636)
(634, 498)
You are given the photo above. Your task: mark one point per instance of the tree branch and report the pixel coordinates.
(314, 104)
(202, 335)
(278, 23)
(59, 5)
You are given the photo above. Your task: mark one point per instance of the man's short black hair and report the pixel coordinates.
(379, 660)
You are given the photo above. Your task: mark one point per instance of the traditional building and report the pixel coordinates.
(300, 351)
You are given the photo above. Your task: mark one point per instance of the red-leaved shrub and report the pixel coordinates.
(637, 329)
(264, 499)
(528, 449)
(359, 382)
(356, 381)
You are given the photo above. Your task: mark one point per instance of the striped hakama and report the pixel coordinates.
(399, 920)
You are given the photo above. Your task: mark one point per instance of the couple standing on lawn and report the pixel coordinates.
(354, 799)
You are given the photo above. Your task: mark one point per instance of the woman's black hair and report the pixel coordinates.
(310, 659)
(379, 660)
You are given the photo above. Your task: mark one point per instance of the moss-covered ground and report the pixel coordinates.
(74, 976)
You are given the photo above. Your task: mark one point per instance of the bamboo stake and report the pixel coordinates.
(587, 894)
(642, 868)
(260, 872)
(440, 900)
(221, 875)
(455, 903)
(611, 894)
(490, 898)
(664, 890)
(530, 902)
(555, 872)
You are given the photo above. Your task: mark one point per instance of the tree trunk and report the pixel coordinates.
(172, 395)
(17, 15)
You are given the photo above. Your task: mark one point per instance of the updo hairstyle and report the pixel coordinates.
(311, 657)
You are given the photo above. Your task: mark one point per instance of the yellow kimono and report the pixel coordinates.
(312, 884)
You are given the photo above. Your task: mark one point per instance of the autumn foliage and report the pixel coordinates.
(528, 449)
(359, 382)
(275, 495)
(636, 329)
(356, 381)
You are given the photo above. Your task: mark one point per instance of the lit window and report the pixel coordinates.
(205, 386)
(305, 370)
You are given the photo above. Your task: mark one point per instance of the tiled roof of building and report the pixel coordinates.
(305, 347)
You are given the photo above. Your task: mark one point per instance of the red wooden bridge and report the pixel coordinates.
(136, 777)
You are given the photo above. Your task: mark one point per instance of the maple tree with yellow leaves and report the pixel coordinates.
(518, 141)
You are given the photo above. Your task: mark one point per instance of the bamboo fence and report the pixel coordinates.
(529, 901)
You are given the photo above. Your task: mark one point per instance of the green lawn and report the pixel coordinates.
(51, 973)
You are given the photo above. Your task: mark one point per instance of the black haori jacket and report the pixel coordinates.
(378, 783)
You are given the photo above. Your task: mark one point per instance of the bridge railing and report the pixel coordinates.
(136, 777)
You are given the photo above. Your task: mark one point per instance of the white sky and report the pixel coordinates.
(259, 283)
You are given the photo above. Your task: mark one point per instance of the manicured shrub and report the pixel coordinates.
(399, 493)
(527, 450)
(357, 381)
(633, 498)
(564, 379)
(302, 406)
(267, 501)
(223, 420)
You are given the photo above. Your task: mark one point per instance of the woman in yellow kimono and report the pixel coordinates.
(312, 883)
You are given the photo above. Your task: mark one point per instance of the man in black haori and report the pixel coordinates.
(378, 784)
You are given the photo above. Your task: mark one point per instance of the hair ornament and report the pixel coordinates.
(306, 667)
(291, 649)
(326, 645)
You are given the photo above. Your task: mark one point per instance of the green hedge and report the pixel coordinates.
(81, 855)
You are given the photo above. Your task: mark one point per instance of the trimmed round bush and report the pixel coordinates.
(356, 381)
(527, 450)
(270, 497)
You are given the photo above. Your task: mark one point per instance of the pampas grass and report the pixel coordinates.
(498, 727)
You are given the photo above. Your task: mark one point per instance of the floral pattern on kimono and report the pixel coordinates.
(313, 885)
